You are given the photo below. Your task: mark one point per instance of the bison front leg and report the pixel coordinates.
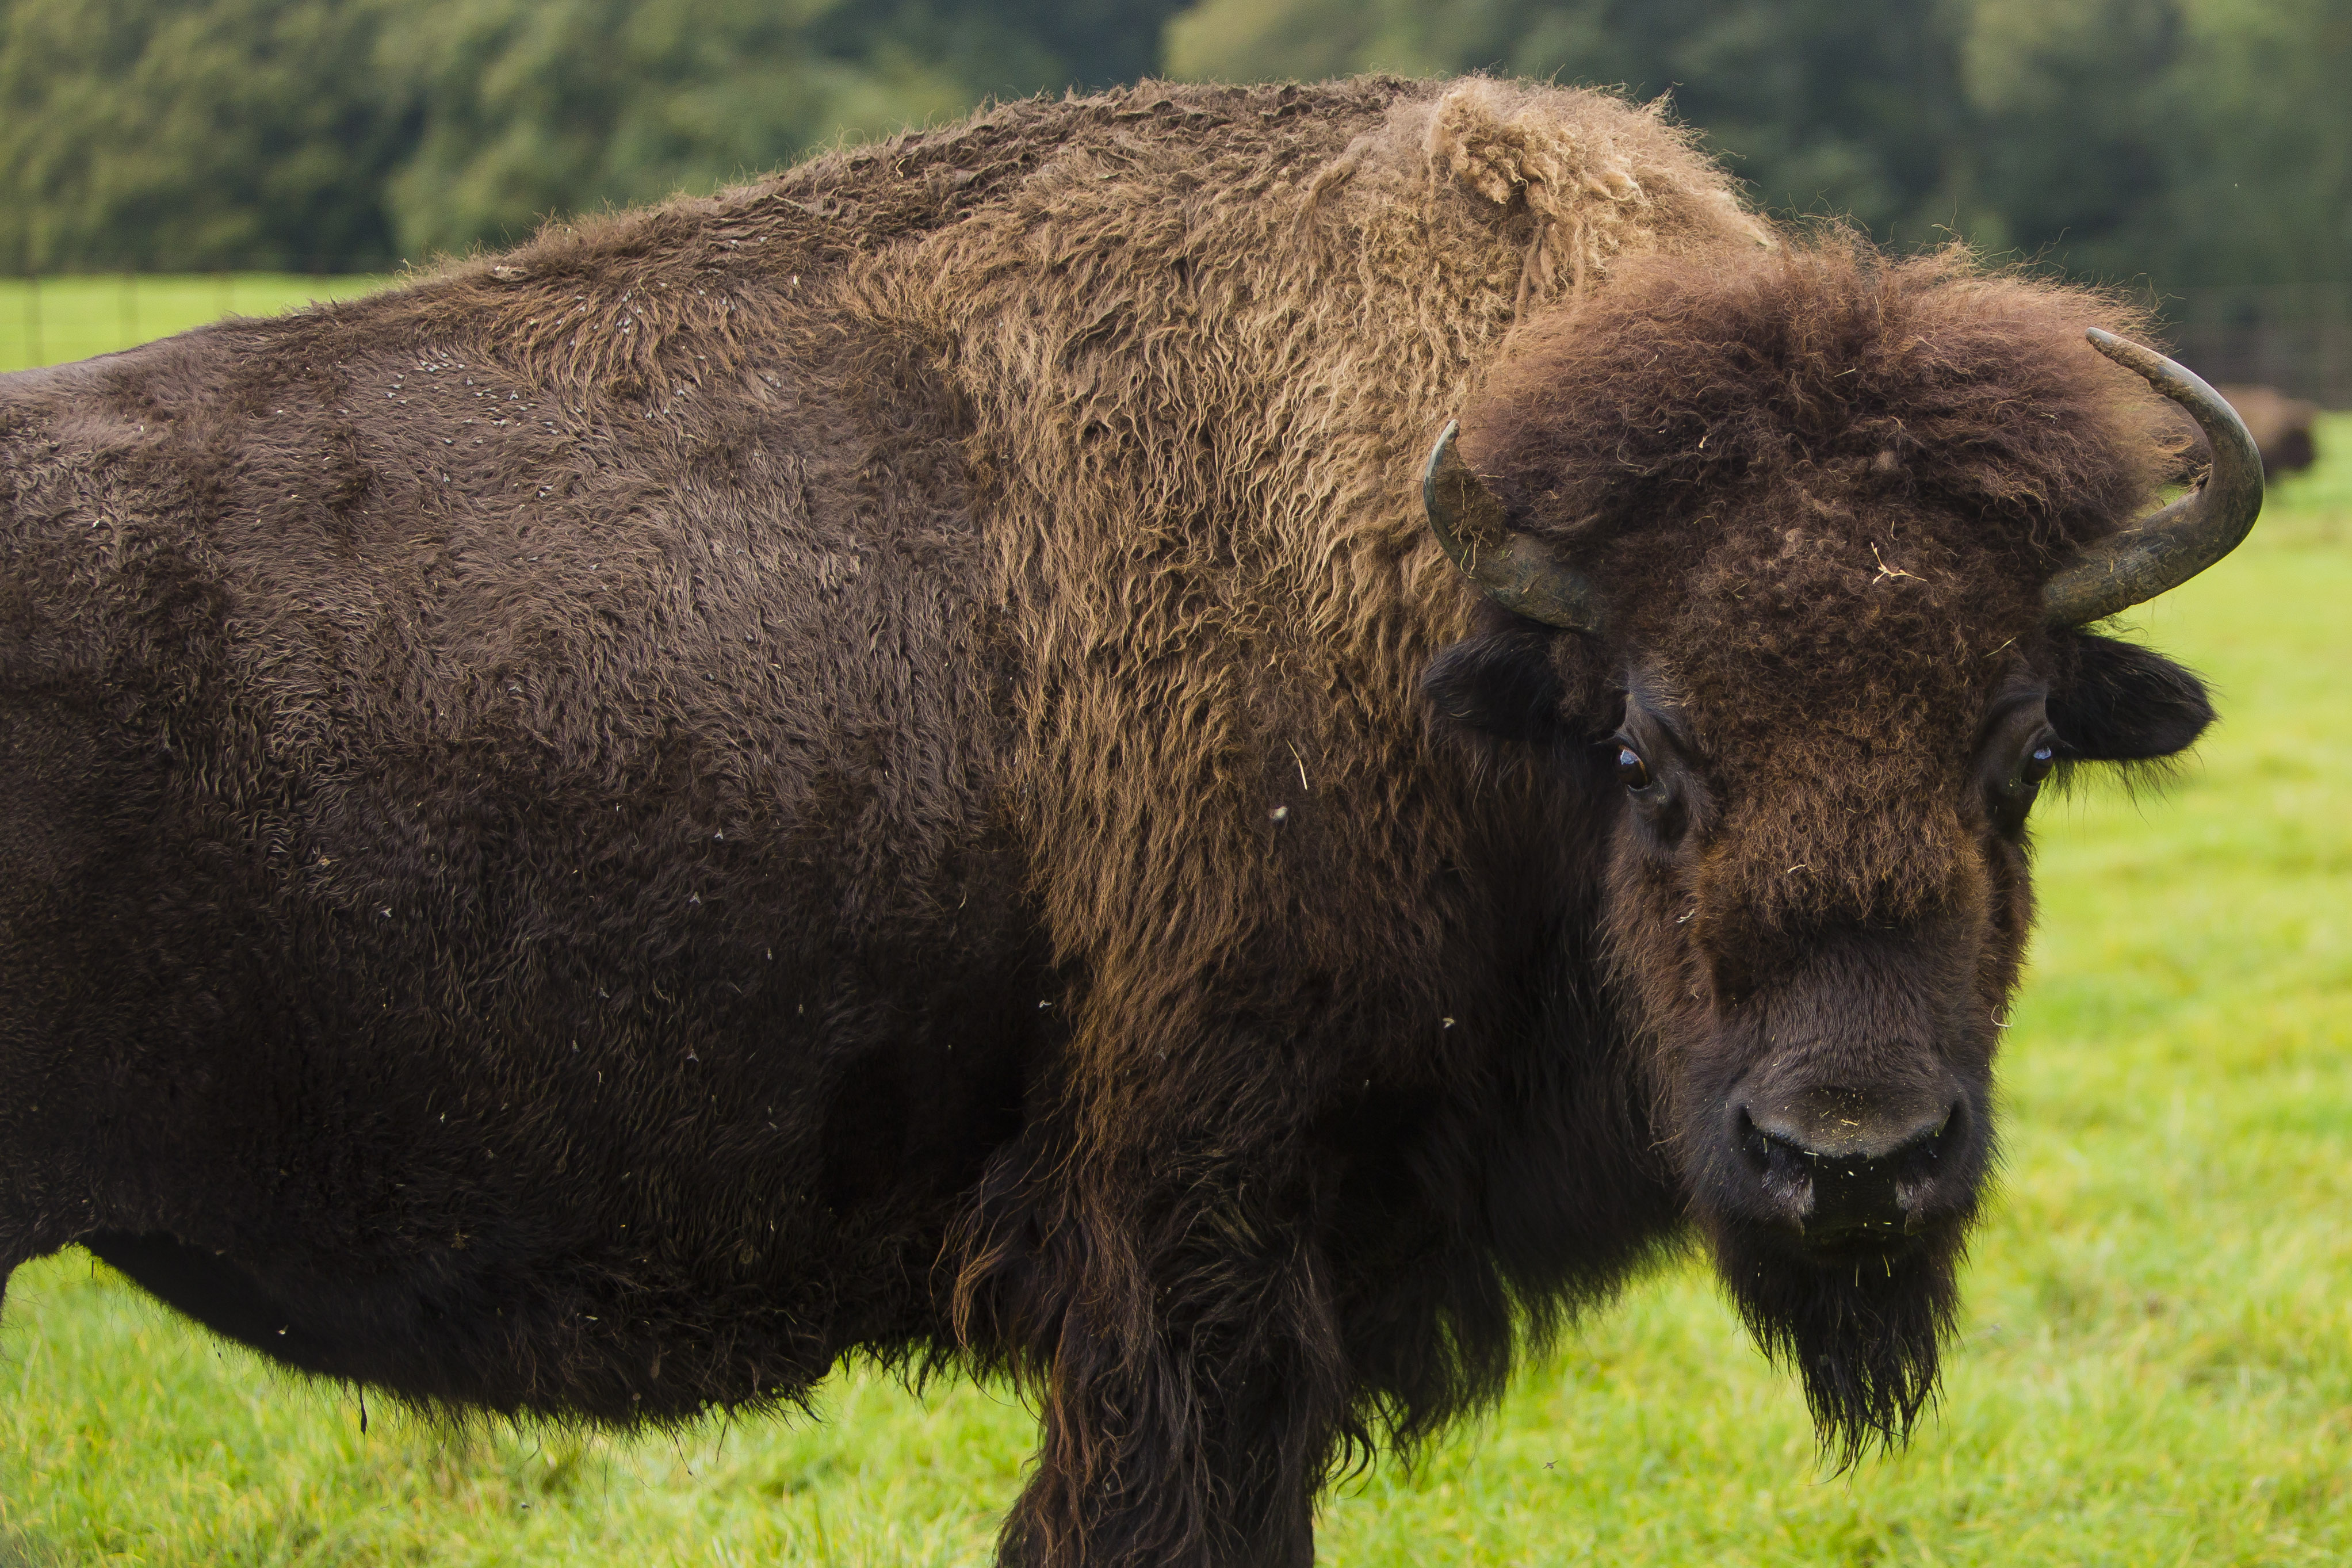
(1195, 1391)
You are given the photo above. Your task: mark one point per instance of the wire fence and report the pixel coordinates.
(2297, 338)
(53, 318)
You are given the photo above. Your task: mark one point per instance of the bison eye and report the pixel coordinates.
(2020, 754)
(1632, 771)
(2038, 762)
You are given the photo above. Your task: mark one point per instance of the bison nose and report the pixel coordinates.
(1844, 1166)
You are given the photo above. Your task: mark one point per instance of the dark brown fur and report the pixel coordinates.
(2281, 426)
(841, 767)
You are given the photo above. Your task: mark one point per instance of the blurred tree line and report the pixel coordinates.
(2194, 141)
(347, 134)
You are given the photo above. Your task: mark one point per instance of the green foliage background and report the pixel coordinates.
(345, 135)
(2189, 142)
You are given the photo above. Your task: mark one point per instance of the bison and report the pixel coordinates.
(2280, 426)
(894, 761)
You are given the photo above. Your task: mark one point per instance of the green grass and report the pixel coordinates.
(2154, 1366)
(52, 319)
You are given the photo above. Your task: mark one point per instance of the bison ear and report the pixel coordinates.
(2116, 702)
(1503, 684)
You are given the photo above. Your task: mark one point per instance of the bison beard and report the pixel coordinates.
(882, 763)
(1864, 1338)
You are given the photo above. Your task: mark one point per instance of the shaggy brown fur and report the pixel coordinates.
(839, 767)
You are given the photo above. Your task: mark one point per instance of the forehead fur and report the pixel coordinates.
(1820, 490)
(1693, 385)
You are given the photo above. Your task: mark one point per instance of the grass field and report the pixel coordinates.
(48, 321)
(2155, 1368)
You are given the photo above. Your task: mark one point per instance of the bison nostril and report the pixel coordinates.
(1771, 1150)
(1785, 1167)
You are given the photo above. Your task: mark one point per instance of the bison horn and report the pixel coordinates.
(1511, 569)
(2166, 548)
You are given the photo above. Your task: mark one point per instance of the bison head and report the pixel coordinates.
(1792, 560)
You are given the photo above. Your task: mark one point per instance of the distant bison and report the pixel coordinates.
(888, 761)
(2280, 425)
